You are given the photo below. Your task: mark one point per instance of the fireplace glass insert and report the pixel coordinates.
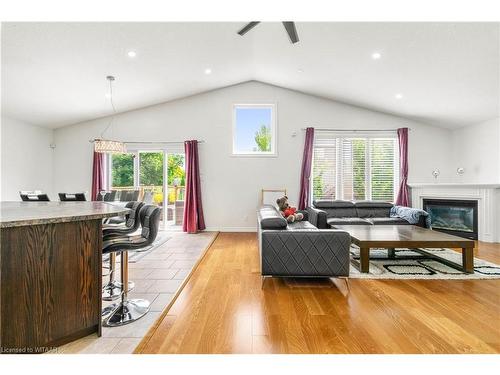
(457, 217)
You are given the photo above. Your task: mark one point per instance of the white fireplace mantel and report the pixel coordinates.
(487, 196)
(454, 185)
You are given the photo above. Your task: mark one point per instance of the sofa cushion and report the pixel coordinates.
(334, 221)
(301, 225)
(369, 209)
(367, 204)
(387, 221)
(331, 203)
(336, 208)
(271, 218)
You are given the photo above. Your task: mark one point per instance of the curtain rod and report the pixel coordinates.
(353, 130)
(166, 142)
(150, 142)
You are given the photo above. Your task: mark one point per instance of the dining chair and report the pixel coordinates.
(108, 196)
(76, 197)
(37, 197)
(124, 196)
(148, 197)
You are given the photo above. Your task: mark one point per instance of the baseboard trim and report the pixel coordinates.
(232, 229)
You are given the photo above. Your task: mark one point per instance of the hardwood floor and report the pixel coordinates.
(223, 309)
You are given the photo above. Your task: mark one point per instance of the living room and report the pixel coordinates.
(334, 182)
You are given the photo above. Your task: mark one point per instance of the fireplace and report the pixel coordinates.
(457, 217)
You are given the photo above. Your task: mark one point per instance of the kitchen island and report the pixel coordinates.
(50, 272)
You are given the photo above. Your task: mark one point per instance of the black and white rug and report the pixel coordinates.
(419, 266)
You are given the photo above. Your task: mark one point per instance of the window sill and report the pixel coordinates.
(254, 155)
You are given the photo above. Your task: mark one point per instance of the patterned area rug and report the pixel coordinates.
(419, 266)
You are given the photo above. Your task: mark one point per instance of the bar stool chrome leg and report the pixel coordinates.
(113, 289)
(128, 310)
(106, 265)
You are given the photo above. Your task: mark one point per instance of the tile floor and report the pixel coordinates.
(157, 277)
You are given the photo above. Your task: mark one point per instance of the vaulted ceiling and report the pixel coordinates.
(447, 74)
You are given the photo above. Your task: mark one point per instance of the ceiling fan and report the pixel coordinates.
(289, 27)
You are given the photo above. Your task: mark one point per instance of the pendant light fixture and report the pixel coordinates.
(109, 146)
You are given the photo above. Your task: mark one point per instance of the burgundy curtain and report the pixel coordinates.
(305, 174)
(403, 194)
(193, 210)
(97, 175)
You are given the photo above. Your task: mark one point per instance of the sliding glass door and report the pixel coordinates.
(176, 182)
(122, 171)
(159, 175)
(150, 172)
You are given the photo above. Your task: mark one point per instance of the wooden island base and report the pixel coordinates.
(51, 275)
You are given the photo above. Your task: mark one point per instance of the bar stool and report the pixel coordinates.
(130, 224)
(113, 289)
(129, 310)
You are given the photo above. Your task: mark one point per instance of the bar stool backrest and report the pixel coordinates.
(150, 222)
(132, 218)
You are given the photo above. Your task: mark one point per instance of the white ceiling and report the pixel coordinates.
(53, 74)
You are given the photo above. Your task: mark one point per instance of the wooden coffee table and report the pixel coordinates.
(407, 236)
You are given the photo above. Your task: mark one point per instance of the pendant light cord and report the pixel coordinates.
(110, 79)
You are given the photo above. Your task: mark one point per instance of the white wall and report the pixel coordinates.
(231, 185)
(476, 148)
(27, 159)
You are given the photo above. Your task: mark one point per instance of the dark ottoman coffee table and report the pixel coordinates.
(407, 236)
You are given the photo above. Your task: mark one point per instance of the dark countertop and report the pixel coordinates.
(16, 214)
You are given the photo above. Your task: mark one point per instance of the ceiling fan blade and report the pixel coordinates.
(248, 27)
(292, 31)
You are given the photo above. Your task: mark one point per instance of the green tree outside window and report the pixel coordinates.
(263, 138)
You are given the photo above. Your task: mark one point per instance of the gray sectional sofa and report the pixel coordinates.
(326, 214)
(313, 247)
(300, 249)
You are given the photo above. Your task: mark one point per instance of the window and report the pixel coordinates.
(122, 170)
(254, 130)
(355, 168)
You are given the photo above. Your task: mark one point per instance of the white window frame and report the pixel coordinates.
(274, 132)
(339, 191)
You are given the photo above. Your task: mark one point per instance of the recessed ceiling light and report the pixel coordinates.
(376, 55)
(131, 54)
(208, 71)
(398, 96)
